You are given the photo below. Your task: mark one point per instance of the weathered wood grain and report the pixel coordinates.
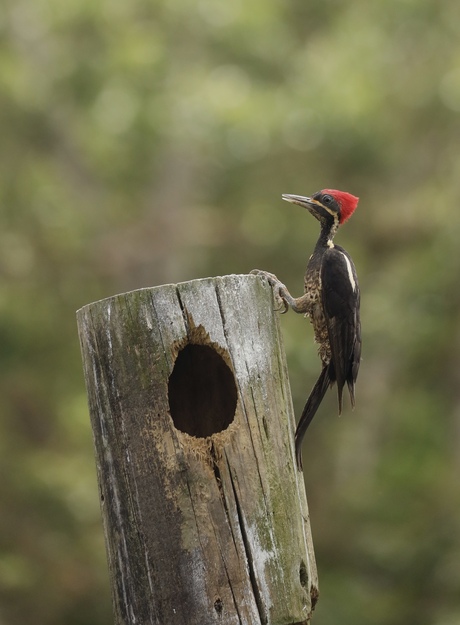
(205, 515)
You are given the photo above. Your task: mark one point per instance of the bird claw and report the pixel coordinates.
(279, 289)
(284, 306)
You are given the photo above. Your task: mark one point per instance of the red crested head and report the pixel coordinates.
(346, 201)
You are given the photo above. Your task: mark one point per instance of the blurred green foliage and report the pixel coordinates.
(144, 143)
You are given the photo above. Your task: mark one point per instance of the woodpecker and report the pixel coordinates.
(331, 301)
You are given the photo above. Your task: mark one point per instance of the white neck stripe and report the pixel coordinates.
(350, 272)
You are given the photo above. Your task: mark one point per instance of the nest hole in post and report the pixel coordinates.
(202, 391)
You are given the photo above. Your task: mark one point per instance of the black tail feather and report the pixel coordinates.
(309, 411)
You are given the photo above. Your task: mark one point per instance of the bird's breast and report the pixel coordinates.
(315, 312)
(312, 287)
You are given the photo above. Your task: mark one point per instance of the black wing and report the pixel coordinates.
(341, 299)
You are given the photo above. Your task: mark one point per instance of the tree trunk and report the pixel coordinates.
(205, 515)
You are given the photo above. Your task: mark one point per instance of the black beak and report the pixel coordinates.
(313, 206)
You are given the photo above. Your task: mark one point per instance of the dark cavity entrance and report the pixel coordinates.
(202, 391)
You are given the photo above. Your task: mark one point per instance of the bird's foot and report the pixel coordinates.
(280, 292)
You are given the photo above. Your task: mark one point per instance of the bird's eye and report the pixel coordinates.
(327, 199)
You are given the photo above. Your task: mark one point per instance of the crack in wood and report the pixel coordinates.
(249, 557)
(215, 467)
(227, 573)
(241, 391)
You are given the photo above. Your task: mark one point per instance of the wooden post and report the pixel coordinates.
(205, 515)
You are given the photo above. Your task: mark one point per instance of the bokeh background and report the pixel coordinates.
(149, 142)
